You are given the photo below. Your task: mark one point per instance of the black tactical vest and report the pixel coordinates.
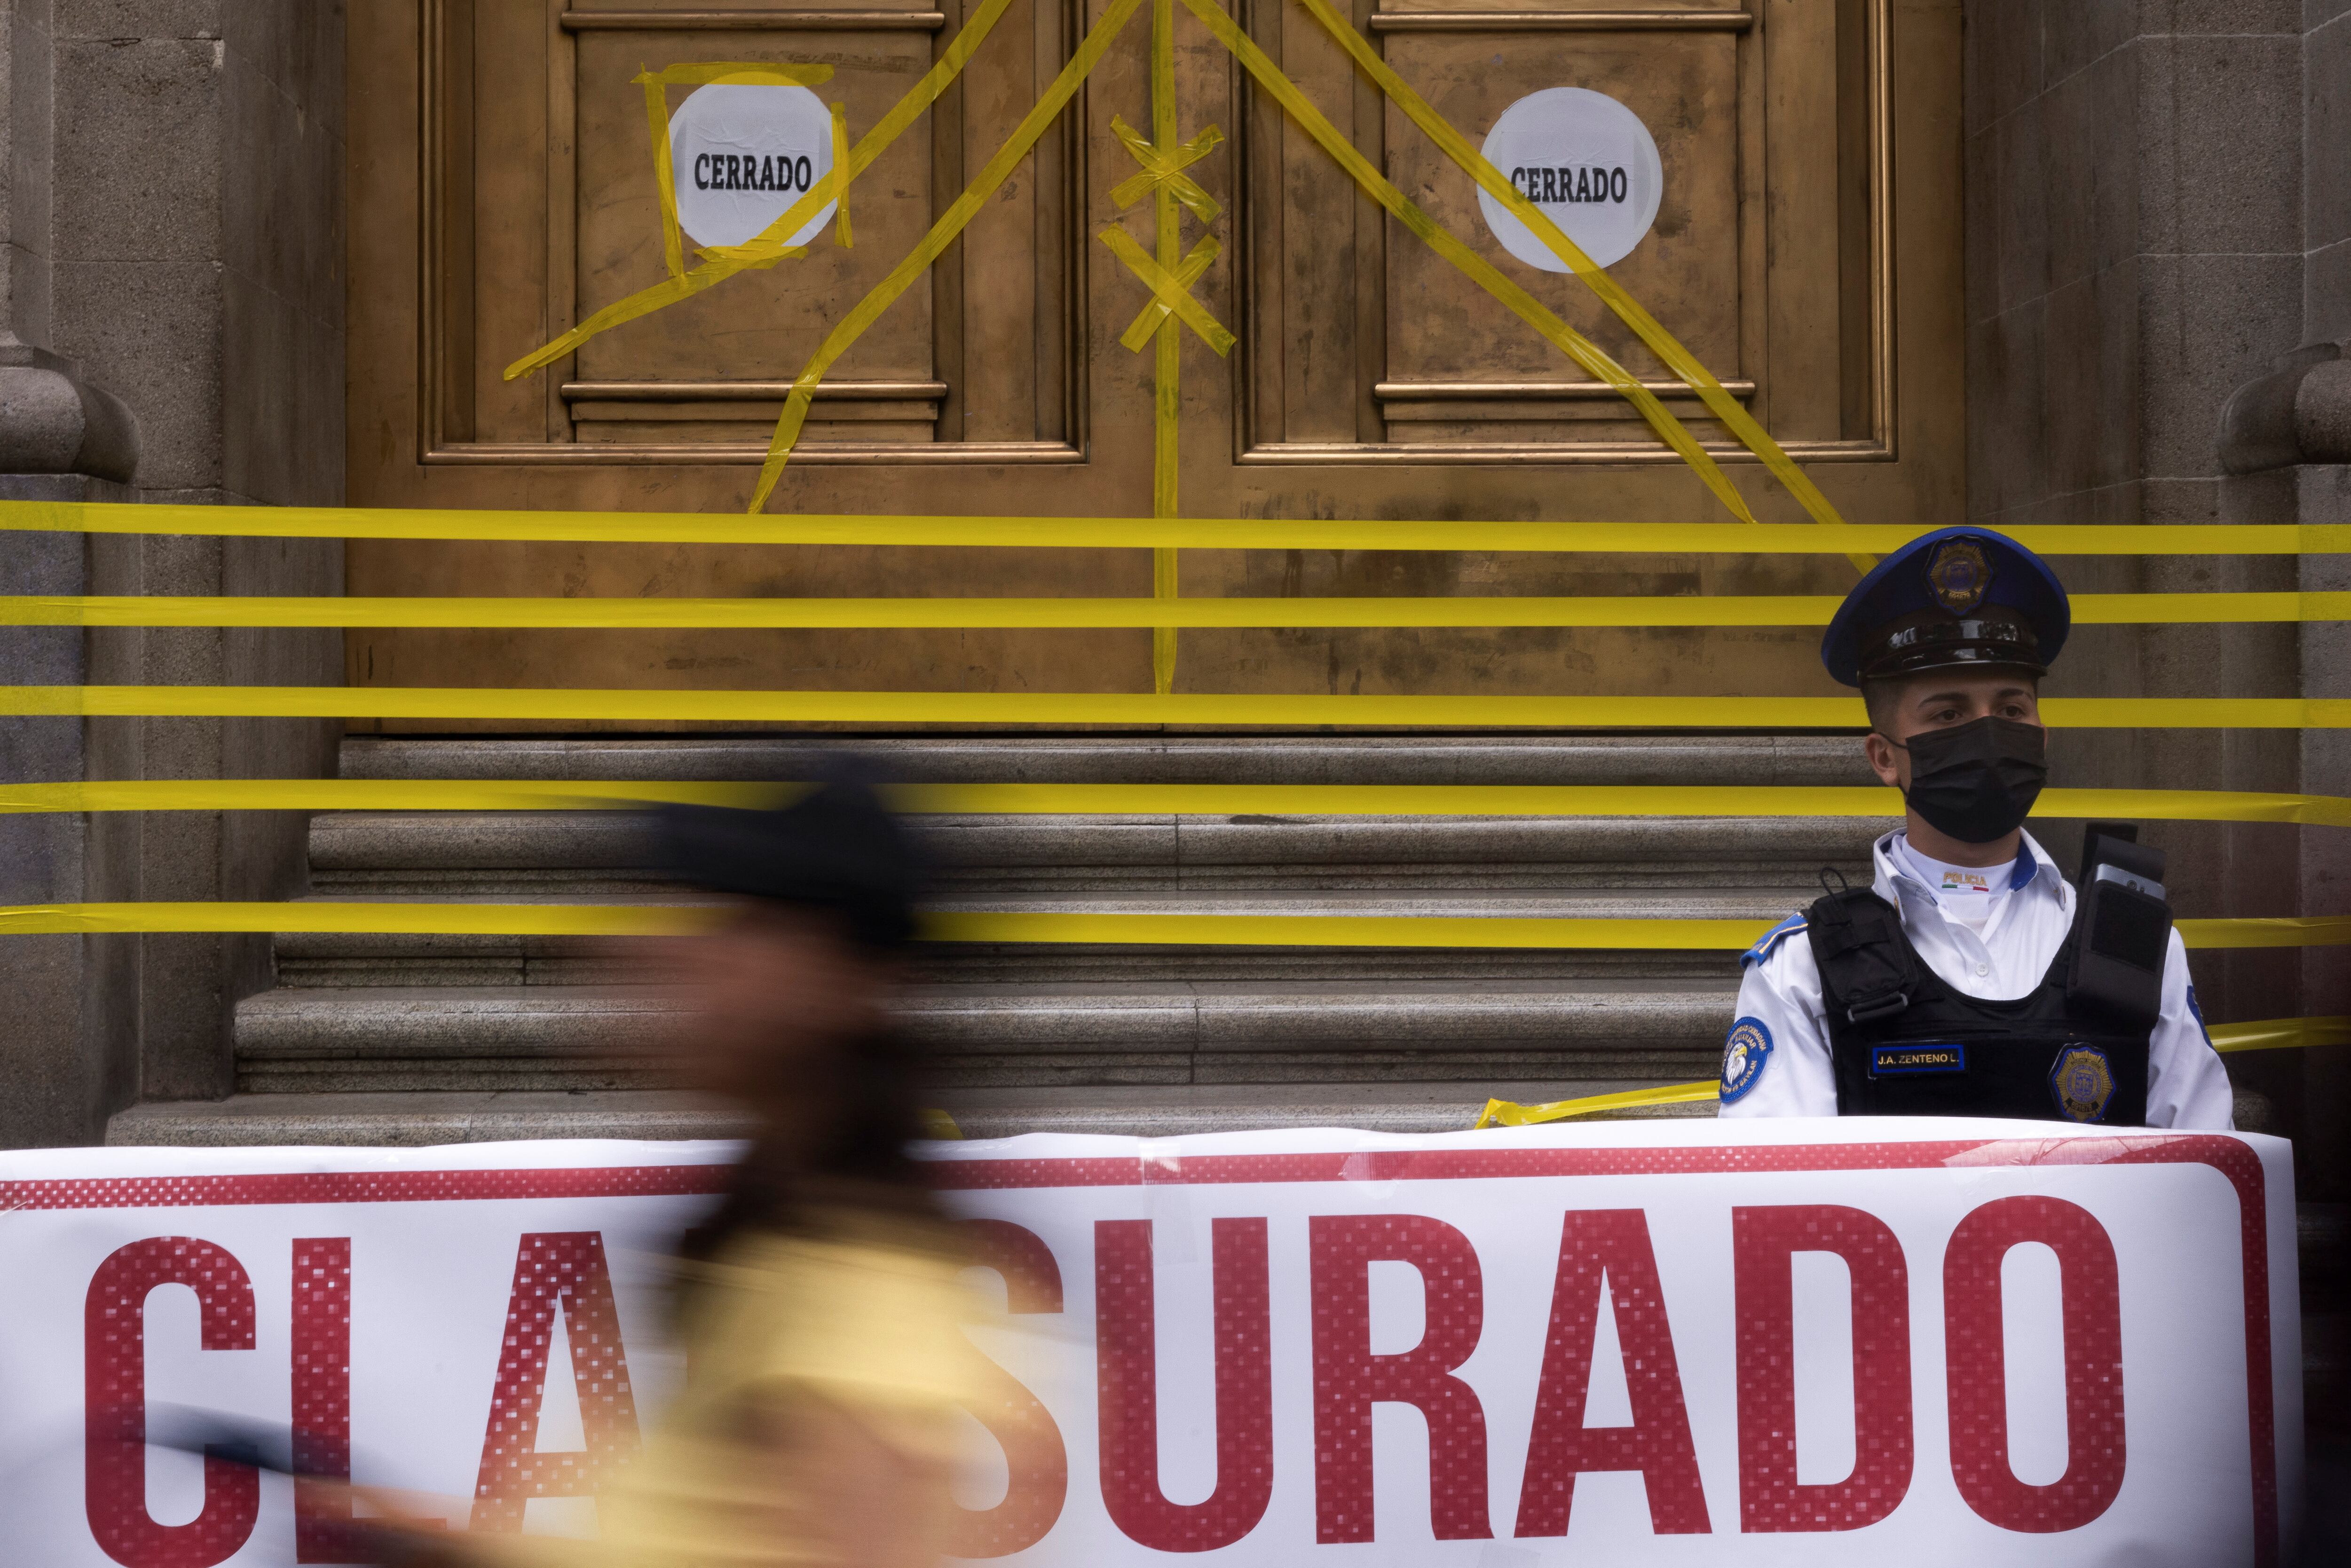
(2073, 1049)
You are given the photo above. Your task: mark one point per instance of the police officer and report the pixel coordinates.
(1970, 978)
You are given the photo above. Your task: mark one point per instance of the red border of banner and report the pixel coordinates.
(2234, 1161)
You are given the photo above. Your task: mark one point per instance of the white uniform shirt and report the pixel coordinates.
(1780, 1019)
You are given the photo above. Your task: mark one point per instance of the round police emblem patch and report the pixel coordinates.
(1743, 1056)
(2082, 1082)
(1959, 575)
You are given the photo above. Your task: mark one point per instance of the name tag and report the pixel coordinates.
(1893, 1061)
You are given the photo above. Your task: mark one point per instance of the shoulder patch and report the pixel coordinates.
(2196, 1012)
(1743, 1056)
(1772, 938)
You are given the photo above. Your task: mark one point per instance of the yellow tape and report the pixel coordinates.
(2275, 1034)
(767, 247)
(1507, 1113)
(665, 174)
(1167, 346)
(2307, 930)
(841, 236)
(383, 795)
(1025, 926)
(1137, 799)
(1670, 352)
(1566, 339)
(387, 919)
(942, 233)
(1133, 533)
(1167, 170)
(617, 614)
(1169, 289)
(1189, 271)
(706, 706)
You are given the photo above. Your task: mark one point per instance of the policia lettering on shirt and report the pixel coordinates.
(1969, 979)
(1571, 184)
(740, 172)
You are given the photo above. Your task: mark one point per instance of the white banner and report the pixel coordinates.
(1801, 1342)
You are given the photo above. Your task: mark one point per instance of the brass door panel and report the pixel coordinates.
(623, 378)
(1807, 250)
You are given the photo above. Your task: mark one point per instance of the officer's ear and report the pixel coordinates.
(1884, 700)
(1885, 758)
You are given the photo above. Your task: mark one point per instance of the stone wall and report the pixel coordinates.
(174, 216)
(2159, 213)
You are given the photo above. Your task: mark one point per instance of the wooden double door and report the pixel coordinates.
(1806, 246)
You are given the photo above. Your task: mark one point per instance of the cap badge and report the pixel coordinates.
(2082, 1082)
(1959, 575)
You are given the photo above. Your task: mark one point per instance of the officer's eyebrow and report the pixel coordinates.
(1929, 699)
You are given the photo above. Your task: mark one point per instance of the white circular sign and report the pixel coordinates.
(1587, 162)
(742, 154)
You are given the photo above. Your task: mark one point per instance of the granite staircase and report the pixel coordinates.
(403, 1039)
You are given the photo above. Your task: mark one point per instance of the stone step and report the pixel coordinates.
(325, 959)
(420, 1119)
(1254, 758)
(450, 853)
(419, 1040)
(311, 959)
(294, 1041)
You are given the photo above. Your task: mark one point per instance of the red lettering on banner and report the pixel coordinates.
(114, 1389)
(1349, 1379)
(1611, 1246)
(1036, 1463)
(1763, 1240)
(1975, 1340)
(1127, 1361)
(561, 1270)
(322, 1402)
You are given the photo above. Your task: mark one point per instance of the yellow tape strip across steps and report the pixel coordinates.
(1138, 533)
(706, 706)
(623, 614)
(1171, 799)
(388, 917)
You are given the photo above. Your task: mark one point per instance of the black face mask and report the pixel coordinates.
(1976, 780)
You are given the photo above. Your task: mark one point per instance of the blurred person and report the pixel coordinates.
(820, 1308)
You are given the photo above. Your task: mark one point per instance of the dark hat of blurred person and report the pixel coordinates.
(835, 848)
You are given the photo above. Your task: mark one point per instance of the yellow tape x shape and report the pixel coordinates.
(1166, 172)
(1170, 291)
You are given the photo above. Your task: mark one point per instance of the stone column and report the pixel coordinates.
(173, 222)
(67, 1054)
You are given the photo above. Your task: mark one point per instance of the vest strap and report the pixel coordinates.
(1867, 970)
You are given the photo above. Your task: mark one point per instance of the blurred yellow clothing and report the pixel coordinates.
(818, 1426)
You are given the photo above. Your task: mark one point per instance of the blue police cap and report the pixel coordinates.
(1951, 599)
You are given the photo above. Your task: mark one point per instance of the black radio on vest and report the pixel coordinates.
(1905, 1042)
